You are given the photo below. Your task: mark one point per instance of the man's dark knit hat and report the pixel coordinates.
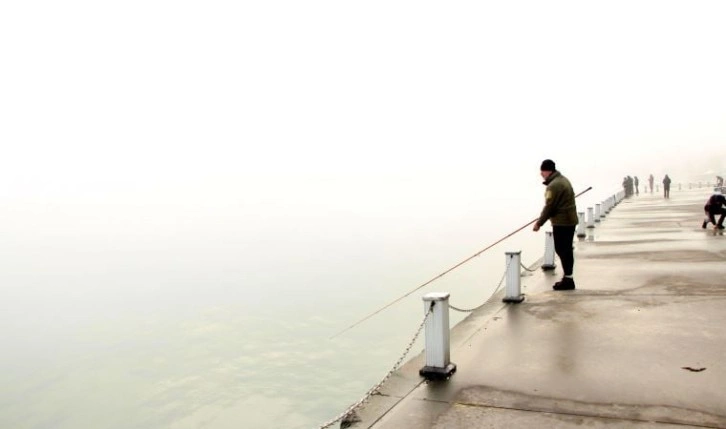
(547, 165)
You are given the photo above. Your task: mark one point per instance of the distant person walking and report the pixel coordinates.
(636, 182)
(625, 186)
(667, 186)
(561, 211)
(719, 181)
(715, 206)
(650, 183)
(630, 186)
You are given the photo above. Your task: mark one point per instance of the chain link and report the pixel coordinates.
(373, 390)
(526, 269)
(490, 296)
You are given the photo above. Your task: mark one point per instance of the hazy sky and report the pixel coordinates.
(181, 98)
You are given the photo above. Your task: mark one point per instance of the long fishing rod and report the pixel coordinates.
(445, 272)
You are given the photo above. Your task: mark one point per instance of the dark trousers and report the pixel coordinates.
(712, 212)
(563, 235)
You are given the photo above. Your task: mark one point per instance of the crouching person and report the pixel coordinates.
(715, 206)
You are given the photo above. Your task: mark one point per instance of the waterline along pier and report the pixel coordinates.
(641, 342)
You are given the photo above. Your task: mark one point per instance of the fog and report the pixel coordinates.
(219, 164)
(168, 100)
(161, 119)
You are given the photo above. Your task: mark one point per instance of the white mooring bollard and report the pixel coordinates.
(581, 224)
(549, 255)
(598, 213)
(590, 218)
(437, 350)
(513, 294)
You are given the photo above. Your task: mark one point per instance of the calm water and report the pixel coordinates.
(171, 313)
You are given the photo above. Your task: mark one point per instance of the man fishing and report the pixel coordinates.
(561, 211)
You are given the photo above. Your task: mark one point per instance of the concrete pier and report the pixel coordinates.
(641, 342)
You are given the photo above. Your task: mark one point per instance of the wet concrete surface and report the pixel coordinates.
(641, 342)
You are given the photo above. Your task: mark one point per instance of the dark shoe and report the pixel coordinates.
(720, 226)
(704, 224)
(565, 284)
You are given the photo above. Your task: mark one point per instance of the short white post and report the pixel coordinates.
(549, 254)
(513, 278)
(590, 218)
(604, 208)
(437, 337)
(598, 213)
(581, 224)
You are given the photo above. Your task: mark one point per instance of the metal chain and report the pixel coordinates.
(373, 390)
(526, 269)
(490, 296)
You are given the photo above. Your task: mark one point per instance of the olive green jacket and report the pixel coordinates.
(560, 208)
